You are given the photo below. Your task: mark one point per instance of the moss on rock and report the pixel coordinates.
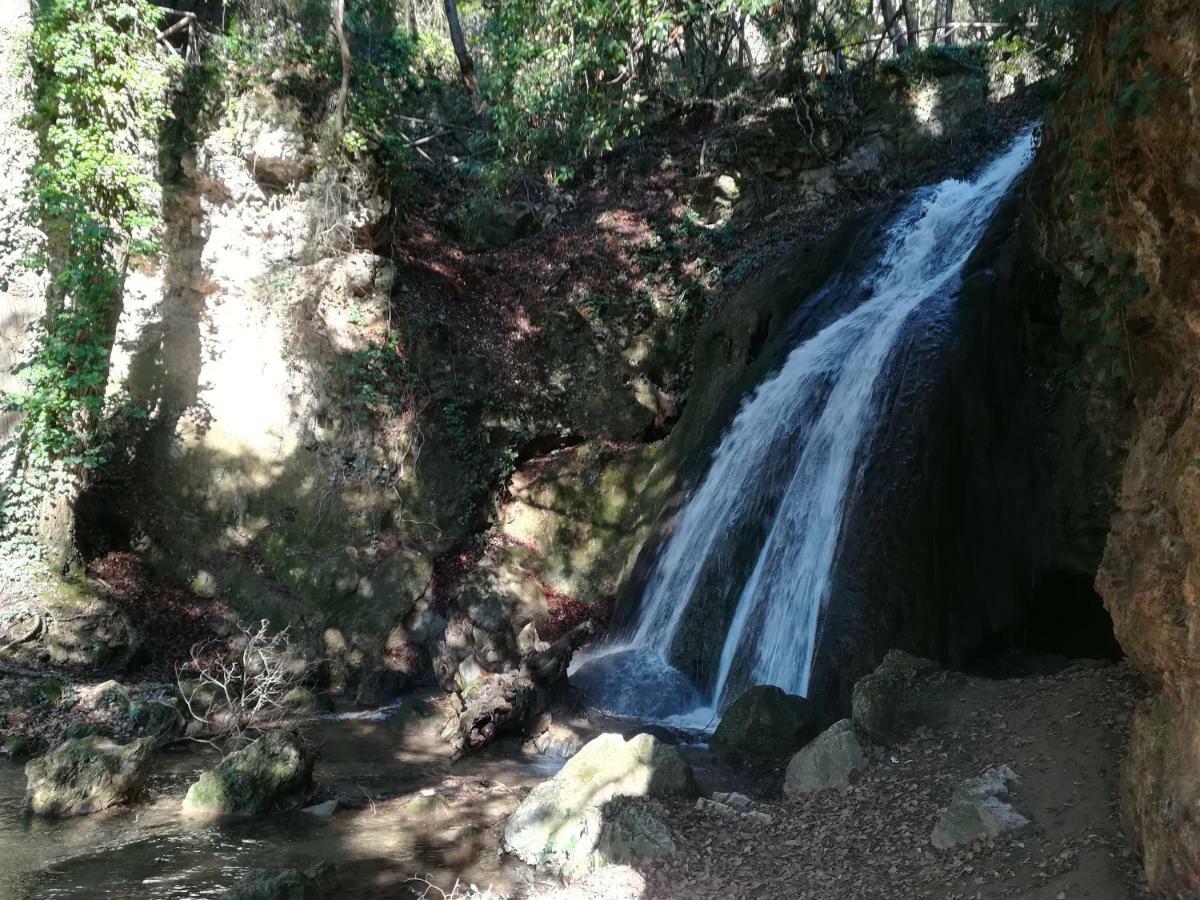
(252, 780)
(87, 774)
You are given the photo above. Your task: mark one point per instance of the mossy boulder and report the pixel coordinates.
(568, 825)
(44, 692)
(88, 729)
(903, 694)
(253, 780)
(15, 746)
(86, 775)
(763, 724)
(156, 717)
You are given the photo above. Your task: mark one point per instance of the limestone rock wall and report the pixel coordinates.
(1150, 572)
(245, 473)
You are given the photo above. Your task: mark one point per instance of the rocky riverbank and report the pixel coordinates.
(1062, 734)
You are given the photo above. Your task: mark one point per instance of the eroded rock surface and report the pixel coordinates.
(979, 809)
(87, 774)
(252, 780)
(828, 762)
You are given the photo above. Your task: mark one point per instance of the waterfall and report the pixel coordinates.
(799, 431)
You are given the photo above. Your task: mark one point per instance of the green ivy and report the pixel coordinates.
(98, 97)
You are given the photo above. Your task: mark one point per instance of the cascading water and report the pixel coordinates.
(801, 429)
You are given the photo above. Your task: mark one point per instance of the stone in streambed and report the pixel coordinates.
(570, 825)
(86, 775)
(252, 780)
(288, 884)
(764, 724)
(978, 810)
(827, 762)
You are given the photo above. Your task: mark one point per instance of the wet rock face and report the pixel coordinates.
(87, 774)
(252, 780)
(1149, 577)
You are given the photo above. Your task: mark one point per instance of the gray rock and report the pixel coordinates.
(271, 135)
(632, 831)
(904, 693)
(86, 775)
(322, 810)
(764, 724)
(156, 717)
(978, 810)
(254, 779)
(825, 763)
(561, 826)
(726, 186)
(867, 159)
(733, 806)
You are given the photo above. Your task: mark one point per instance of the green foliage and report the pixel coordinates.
(939, 59)
(560, 81)
(99, 95)
(568, 78)
(378, 379)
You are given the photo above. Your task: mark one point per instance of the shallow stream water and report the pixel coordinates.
(418, 814)
(407, 810)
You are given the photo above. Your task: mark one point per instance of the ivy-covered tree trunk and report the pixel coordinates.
(97, 89)
(22, 288)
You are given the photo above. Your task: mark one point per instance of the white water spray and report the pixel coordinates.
(817, 409)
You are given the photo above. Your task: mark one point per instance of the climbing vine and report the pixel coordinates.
(99, 99)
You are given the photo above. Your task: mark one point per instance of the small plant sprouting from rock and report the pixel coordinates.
(239, 690)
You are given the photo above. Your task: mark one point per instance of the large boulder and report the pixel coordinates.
(253, 780)
(764, 724)
(827, 762)
(87, 774)
(569, 826)
(904, 693)
(978, 810)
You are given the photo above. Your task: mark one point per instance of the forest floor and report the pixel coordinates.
(1064, 734)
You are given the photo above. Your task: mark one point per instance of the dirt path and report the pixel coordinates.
(1064, 735)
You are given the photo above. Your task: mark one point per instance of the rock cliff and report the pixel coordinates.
(1148, 577)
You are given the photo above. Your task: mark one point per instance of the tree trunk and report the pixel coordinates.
(891, 22)
(910, 25)
(465, 63)
(339, 18)
(949, 19)
(414, 29)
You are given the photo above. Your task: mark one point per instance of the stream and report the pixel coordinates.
(406, 810)
(428, 817)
